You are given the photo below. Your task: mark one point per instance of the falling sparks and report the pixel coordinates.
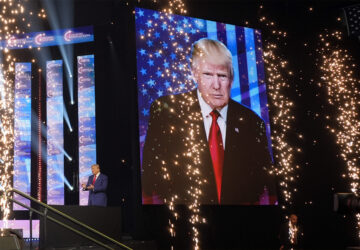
(293, 230)
(10, 19)
(282, 118)
(175, 6)
(193, 190)
(338, 78)
(193, 146)
(13, 22)
(194, 175)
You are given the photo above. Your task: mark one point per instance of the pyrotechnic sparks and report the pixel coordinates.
(11, 18)
(13, 22)
(179, 65)
(193, 149)
(193, 172)
(293, 230)
(337, 76)
(282, 118)
(175, 6)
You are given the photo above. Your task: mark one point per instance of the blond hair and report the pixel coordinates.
(95, 165)
(213, 50)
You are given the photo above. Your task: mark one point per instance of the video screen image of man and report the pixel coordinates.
(96, 185)
(204, 130)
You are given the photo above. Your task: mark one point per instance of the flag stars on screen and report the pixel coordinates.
(141, 13)
(142, 52)
(179, 29)
(149, 24)
(145, 112)
(164, 26)
(174, 33)
(149, 43)
(158, 73)
(143, 71)
(150, 62)
(159, 93)
(157, 54)
(151, 83)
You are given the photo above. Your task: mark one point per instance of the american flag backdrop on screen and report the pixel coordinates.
(163, 42)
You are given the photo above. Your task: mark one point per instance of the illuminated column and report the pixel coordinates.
(22, 132)
(86, 109)
(55, 132)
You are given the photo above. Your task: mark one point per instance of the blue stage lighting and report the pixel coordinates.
(63, 15)
(67, 120)
(68, 184)
(36, 146)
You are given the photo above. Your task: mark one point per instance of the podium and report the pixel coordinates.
(106, 220)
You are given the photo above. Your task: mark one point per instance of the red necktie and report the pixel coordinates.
(216, 150)
(94, 180)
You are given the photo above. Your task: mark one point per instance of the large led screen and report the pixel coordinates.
(203, 118)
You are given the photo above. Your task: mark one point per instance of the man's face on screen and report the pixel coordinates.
(214, 82)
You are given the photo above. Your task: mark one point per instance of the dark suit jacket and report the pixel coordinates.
(97, 196)
(168, 142)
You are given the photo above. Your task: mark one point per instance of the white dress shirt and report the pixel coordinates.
(97, 176)
(206, 110)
